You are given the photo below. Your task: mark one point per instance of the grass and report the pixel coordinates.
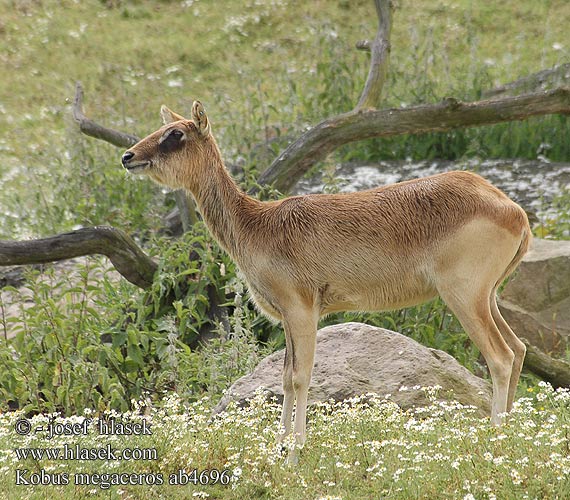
(266, 70)
(363, 448)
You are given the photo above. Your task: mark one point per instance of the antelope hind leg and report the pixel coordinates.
(517, 346)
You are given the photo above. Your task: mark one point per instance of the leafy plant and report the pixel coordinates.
(67, 356)
(556, 226)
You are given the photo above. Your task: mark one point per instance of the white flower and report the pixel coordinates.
(515, 476)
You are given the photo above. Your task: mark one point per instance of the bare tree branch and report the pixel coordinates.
(90, 128)
(547, 79)
(186, 209)
(363, 45)
(552, 370)
(126, 256)
(332, 133)
(380, 52)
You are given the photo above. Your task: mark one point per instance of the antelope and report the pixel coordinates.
(452, 234)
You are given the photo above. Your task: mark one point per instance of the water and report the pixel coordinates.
(531, 183)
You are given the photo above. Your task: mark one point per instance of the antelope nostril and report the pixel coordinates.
(126, 157)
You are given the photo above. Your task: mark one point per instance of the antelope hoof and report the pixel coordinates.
(292, 459)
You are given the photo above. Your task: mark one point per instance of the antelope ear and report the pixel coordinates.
(169, 116)
(200, 118)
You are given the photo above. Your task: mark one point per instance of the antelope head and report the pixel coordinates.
(172, 155)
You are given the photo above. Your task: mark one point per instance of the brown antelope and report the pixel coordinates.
(452, 234)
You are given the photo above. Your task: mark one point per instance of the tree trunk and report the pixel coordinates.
(379, 58)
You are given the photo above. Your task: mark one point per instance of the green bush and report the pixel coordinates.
(94, 342)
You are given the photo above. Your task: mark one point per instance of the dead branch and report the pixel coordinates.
(92, 129)
(547, 79)
(363, 45)
(186, 209)
(552, 370)
(380, 52)
(11, 276)
(332, 133)
(126, 256)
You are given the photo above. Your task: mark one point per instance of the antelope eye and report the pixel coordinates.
(171, 142)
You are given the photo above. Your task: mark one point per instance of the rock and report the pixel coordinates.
(354, 359)
(536, 301)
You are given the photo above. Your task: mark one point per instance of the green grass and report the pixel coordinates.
(266, 70)
(359, 449)
(263, 68)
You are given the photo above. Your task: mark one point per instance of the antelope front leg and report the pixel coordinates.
(302, 333)
(302, 371)
(288, 392)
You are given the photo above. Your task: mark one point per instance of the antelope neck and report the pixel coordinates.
(222, 205)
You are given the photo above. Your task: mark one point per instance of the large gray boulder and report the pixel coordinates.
(536, 302)
(354, 359)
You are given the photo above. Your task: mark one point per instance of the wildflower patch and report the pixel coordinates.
(365, 447)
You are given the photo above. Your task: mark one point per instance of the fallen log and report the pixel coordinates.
(553, 370)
